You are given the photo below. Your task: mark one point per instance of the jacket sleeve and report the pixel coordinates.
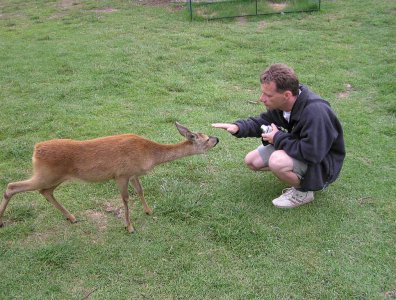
(316, 136)
(251, 126)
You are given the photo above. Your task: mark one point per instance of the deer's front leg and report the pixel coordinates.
(123, 187)
(139, 190)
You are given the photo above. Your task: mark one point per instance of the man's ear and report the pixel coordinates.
(288, 94)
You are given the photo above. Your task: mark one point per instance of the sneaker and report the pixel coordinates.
(292, 197)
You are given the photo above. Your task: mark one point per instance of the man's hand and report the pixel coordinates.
(269, 137)
(231, 128)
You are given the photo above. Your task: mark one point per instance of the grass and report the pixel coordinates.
(69, 71)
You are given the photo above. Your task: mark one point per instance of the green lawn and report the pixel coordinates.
(78, 69)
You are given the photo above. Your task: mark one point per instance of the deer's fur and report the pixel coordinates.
(120, 157)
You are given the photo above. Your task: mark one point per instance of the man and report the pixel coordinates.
(305, 148)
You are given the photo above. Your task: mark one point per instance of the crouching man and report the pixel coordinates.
(304, 145)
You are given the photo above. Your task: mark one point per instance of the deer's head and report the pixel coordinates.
(201, 141)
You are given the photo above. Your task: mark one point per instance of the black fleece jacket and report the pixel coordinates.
(314, 136)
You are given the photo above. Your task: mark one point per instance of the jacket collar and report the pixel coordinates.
(300, 103)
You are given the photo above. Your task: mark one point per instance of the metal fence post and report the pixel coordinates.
(191, 10)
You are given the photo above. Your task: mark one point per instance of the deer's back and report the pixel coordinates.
(97, 159)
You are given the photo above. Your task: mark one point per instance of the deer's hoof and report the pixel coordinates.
(130, 229)
(1, 224)
(72, 219)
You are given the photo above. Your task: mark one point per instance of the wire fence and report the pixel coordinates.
(219, 9)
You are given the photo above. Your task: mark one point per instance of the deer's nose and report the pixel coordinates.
(217, 140)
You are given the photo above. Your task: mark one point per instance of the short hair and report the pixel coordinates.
(283, 76)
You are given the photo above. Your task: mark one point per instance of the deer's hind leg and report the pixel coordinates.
(3, 206)
(48, 193)
(15, 188)
(123, 187)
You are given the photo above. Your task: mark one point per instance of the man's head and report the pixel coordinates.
(283, 76)
(279, 87)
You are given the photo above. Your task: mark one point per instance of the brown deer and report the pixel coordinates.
(120, 157)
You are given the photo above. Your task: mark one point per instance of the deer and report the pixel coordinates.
(123, 158)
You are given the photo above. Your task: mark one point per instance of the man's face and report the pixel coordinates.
(271, 98)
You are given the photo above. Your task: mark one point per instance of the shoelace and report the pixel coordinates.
(287, 191)
(299, 197)
(293, 195)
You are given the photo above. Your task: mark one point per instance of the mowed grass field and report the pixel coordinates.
(85, 69)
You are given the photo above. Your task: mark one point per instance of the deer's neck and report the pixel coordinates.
(169, 152)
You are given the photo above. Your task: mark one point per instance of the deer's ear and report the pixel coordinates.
(183, 130)
(191, 136)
